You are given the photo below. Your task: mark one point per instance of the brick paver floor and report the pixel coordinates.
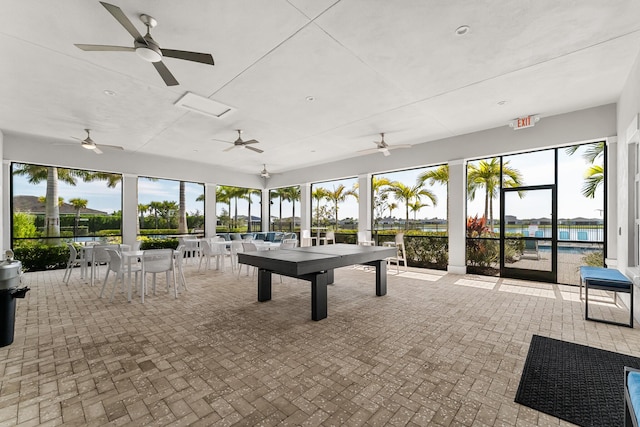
(438, 349)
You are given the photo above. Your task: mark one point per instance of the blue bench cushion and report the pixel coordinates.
(633, 385)
(608, 277)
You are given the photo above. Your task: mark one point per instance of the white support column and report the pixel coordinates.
(612, 202)
(265, 211)
(210, 214)
(457, 217)
(129, 209)
(364, 204)
(305, 206)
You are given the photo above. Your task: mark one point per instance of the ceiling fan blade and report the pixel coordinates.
(97, 150)
(257, 150)
(110, 147)
(230, 148)
(385, 152)
(102, 48)
(165, 74)
(124, 21)
(368, 151)
(203, 58)
(251, 141)
(393, 147)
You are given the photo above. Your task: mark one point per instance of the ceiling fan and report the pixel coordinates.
(146, 47)
(264, 172)
(89, 144)
(383, 147)
(243, 144)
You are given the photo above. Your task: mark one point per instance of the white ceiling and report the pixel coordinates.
(372, 66)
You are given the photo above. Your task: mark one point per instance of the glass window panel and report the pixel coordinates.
(160, 210)
(334, 205)
(285, 209)
(89, 205)
(527, 169)
(581, 193)
(238, 209)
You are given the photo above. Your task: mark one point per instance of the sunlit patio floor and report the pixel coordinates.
(438, 349)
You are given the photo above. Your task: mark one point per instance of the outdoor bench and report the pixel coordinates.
(605, 279)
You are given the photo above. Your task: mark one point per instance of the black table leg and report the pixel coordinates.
(319, 295)
(264, 285)
(381, 278)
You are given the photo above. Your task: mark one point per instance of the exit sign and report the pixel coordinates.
(524, 122)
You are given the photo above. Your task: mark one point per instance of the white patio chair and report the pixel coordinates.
(236, 248)
(75, 260)
(99, 256)
(401, 252)
(178, 261)
(156, 261)
(247, 247)
(116, 265)
(329, 236)
(209, 251)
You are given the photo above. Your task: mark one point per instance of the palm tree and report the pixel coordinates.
(182, 211)
(236, 193)
(51, 175)
(142, 209)
(156, 208)
(439, 175)
(280, 194)
(223, 195)
(391, 207)
(168, 208)
(291, 194)
(407, 195)
(250, 192)
(486, 175)
(77, 205)
(415, 208)
(318, 195)
(339, 195)
(594, 177)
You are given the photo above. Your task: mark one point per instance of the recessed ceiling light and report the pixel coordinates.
(462, 30)
(109, 92)
(310, 98)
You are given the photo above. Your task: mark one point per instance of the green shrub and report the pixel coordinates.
(170, 243)
(24, 225)
(38, 257)
(594, 259)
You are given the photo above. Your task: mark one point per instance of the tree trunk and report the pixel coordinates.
(182, 213)
(406, 223)
(486, 204)
(52, 209)
(293, 217)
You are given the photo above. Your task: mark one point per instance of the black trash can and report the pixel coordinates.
(10, 271)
